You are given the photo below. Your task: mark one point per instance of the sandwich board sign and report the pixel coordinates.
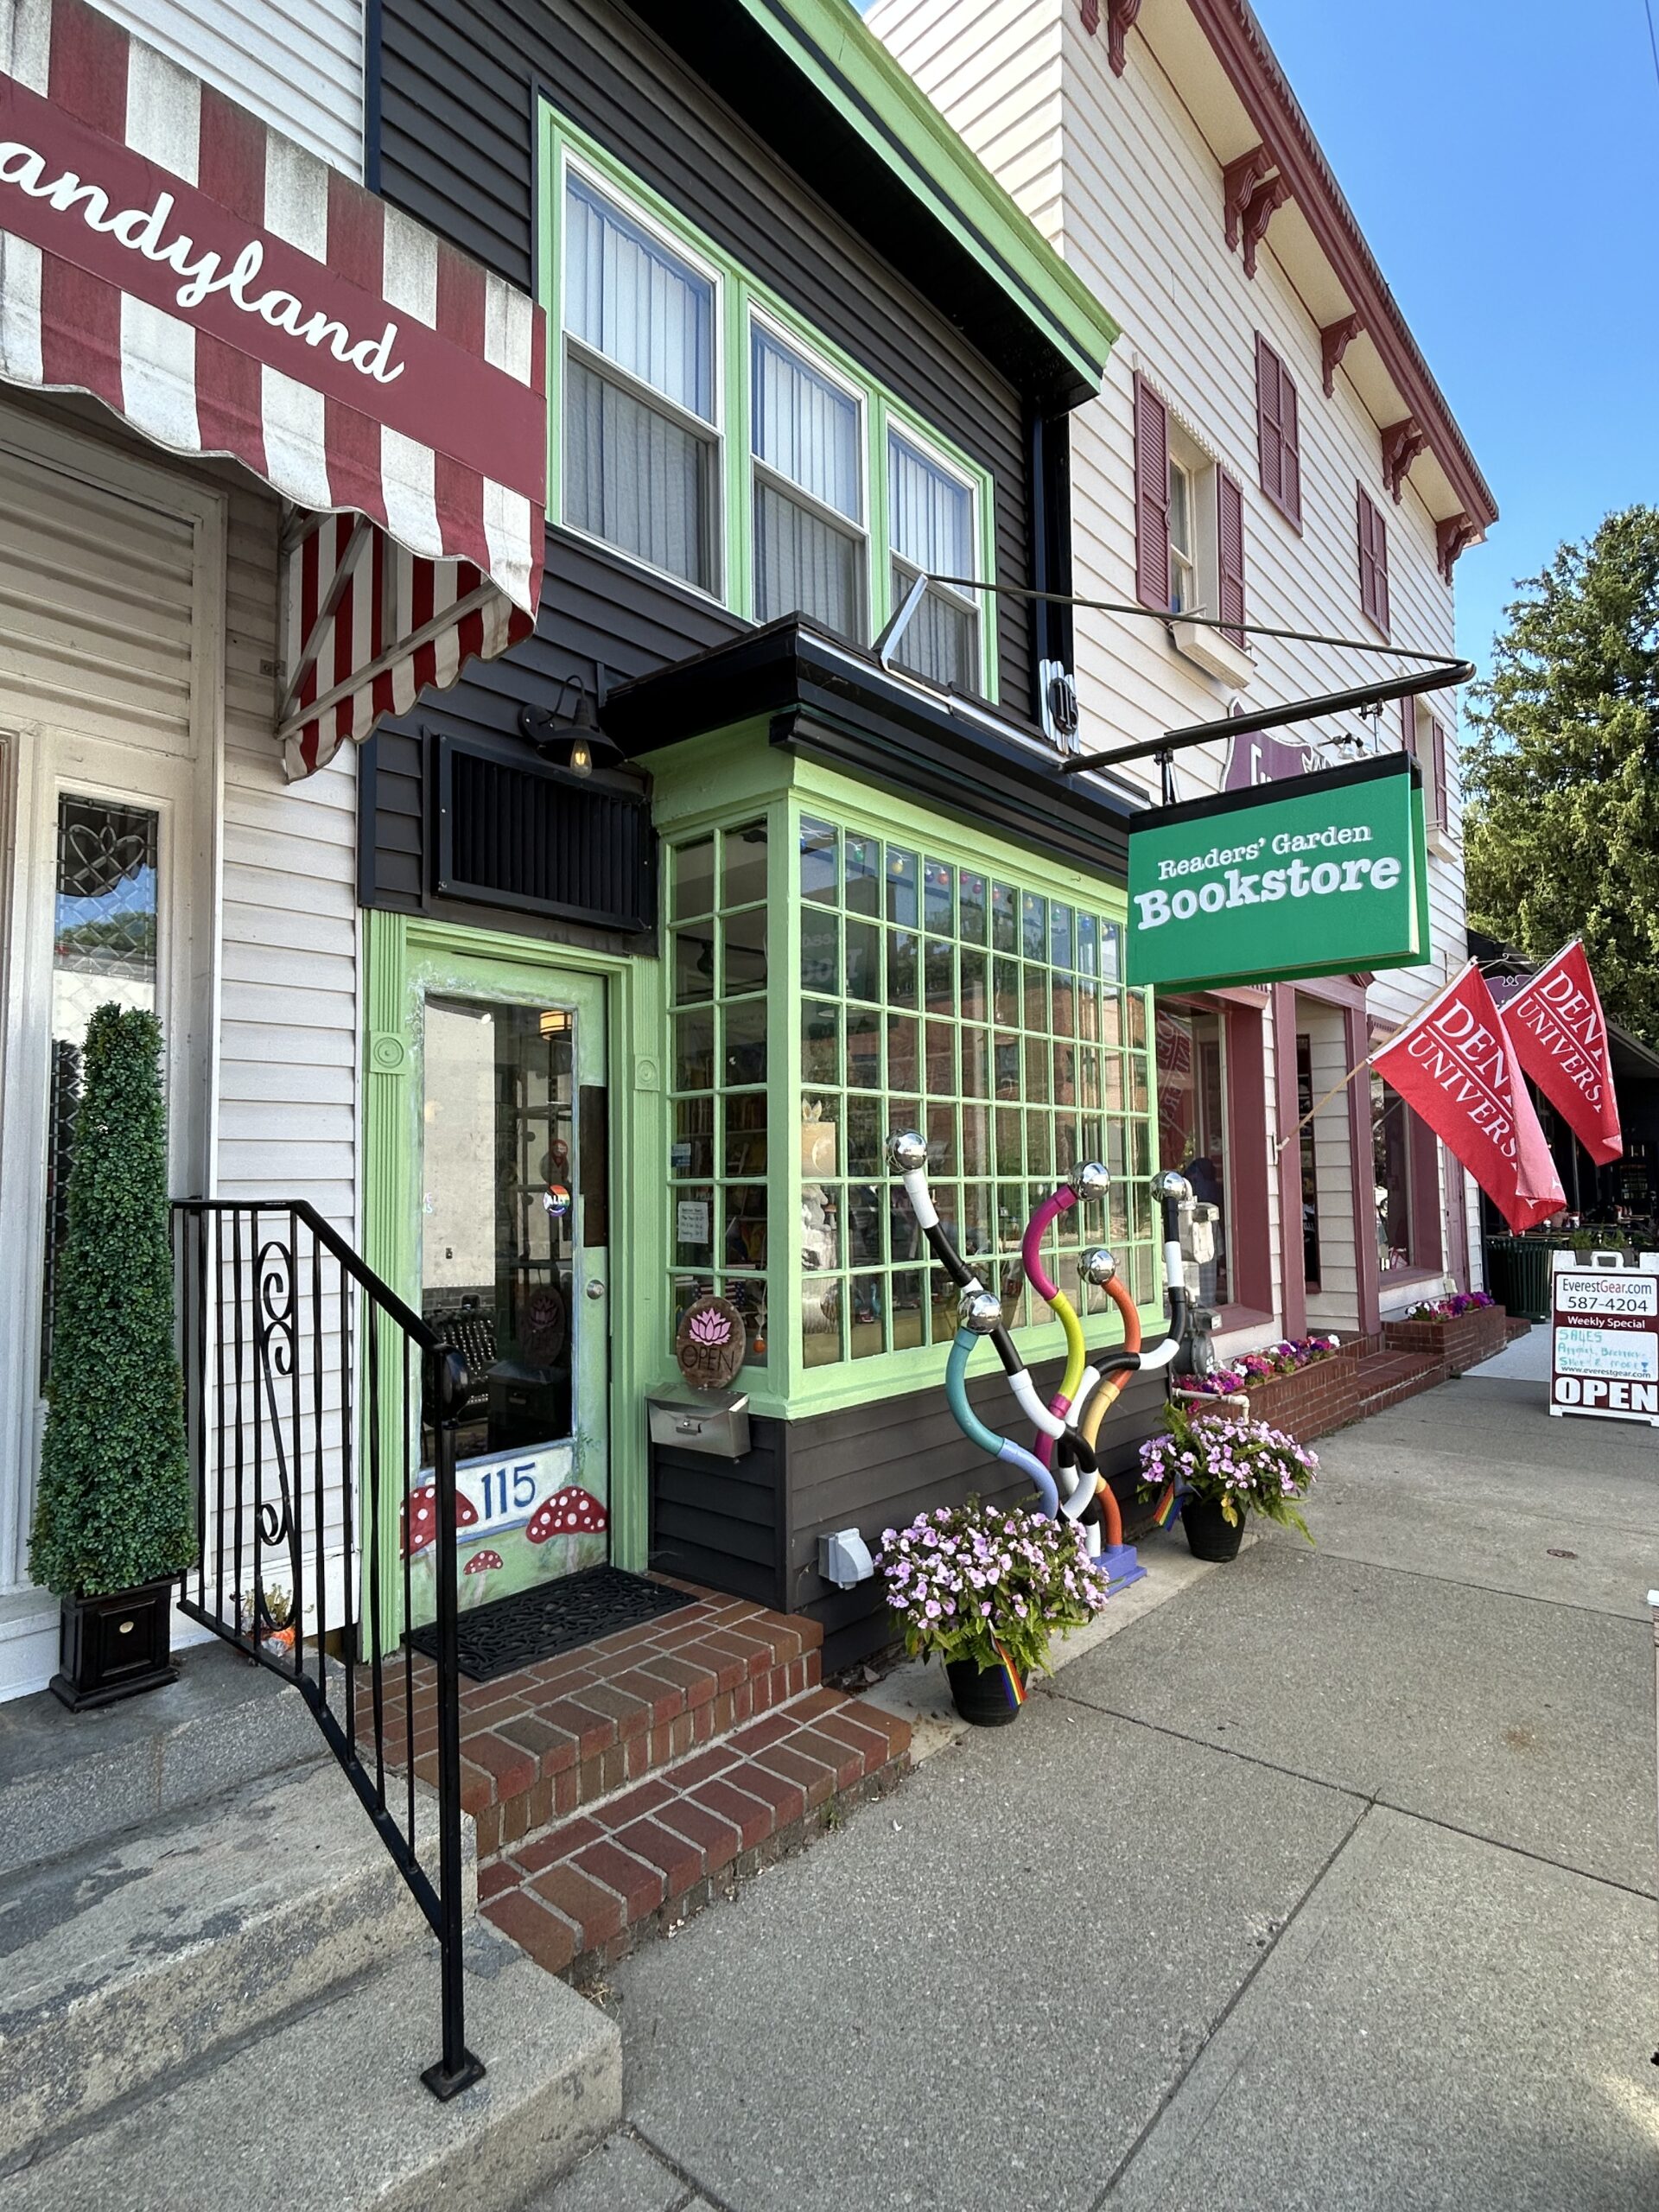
(1604, 1335)
(1317, 876)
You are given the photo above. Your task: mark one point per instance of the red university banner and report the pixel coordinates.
(1453, 1065)
(1560, 1037)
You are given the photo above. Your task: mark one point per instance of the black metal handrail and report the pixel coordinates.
(302, 1416)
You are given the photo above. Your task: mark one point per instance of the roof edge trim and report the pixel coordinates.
(835, 50)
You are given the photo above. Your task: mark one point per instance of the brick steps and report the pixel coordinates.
(540, 1744)
(1515, 1326)
(581, 1893)
(1386, 1378)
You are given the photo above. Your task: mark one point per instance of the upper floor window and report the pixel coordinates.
(1278, 433)
(1189, 521)
(808, 491)
(710, 433)
(1184, 593)
(641, 421)
(930, 524)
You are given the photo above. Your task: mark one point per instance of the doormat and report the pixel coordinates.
(555, 1617)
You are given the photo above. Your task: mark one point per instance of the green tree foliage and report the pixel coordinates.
(1562, 836)
(115, 1507)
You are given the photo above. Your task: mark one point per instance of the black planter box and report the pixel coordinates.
(114, 1647)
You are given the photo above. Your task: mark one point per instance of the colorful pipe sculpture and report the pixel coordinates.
(1085, 1395)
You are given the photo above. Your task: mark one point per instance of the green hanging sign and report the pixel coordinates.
(1318, 875)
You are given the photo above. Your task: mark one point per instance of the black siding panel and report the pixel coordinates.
(457, 84)
(751, 1527)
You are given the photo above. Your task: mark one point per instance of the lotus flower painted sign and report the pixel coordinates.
(710, 1345)
(1320, 875)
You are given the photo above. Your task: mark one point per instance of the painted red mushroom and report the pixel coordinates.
(479, 1565)
(421, 1517)
(569, 1513)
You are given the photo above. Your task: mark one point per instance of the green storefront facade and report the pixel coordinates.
(676, 911)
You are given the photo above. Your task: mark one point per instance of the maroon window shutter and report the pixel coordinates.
(1373, 561)
(1409, 729)
(1270, 445)
(1442, 812)
(1291, 448)
(1151, 497)
(1230, 541)
(1278, 436)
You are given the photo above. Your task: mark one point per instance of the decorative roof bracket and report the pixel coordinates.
(1401, 443)
(1263, 202)
(1238, 180)
(1453, 536)
(1334, 341)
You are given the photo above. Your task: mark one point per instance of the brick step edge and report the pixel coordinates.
(538, 1745)
(585, 1893)
(1402, 1387)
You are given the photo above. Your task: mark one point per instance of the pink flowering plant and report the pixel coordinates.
(1447, 1309)
(1244, 1465)
(988, 1584)
(1262, 1366)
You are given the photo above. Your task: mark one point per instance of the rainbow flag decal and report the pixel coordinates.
(1166, 1504)
(1016, 1687)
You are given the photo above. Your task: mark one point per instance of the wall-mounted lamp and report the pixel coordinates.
(566, 732)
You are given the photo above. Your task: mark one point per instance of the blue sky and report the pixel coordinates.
(1502, 158)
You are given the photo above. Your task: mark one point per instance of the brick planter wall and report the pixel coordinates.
(1459, 1341)
(1313, 1401)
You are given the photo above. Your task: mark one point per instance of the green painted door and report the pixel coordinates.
(514, 1204)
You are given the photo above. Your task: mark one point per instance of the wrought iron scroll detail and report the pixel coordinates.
(276, 1350)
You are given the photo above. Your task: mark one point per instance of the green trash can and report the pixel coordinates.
(1517, 1274)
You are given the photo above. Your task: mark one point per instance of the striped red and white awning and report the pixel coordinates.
(368, 627)
(227, 292)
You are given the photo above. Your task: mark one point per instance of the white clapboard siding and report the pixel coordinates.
(1115, 173)
(288, 1050)
(298, 67)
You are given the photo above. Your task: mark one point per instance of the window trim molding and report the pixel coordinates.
(562, 144)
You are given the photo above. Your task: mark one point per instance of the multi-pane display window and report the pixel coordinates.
(719, 1055)
(951, 999)
(921, 992)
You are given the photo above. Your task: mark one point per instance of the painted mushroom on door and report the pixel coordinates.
(576, 1521)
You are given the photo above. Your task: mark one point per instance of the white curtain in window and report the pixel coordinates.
(941, 642)
(804, 564)
(633, 301)
(636, 478)
(932, 515)
(805, 428)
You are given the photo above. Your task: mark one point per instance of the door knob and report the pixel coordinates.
(595, 1289)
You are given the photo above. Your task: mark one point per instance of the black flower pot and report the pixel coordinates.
(1209, 1532)
(986, 1697)
(114, 1647)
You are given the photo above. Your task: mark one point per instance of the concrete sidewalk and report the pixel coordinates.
(1328, 1884)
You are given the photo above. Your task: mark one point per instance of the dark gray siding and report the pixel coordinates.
(457, 86)
(751, 1527)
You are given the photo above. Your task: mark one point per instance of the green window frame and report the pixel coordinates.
(801, 1035)
(743, 307)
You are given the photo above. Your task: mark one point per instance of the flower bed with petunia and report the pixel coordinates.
(1460, 1331)
(1307, 1387)
(981, 1583)
(1254, 1368)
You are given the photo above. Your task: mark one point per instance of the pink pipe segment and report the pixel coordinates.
(1031, 1244)
(1031, 1253)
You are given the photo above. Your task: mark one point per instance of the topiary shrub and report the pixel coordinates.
(115, 1508)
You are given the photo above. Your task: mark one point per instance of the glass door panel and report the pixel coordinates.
(513, 1278)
